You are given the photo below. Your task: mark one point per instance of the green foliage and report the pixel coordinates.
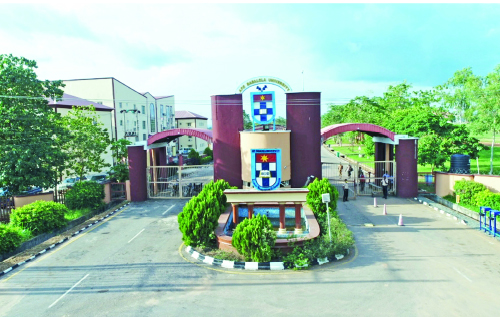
(316, 189)
(11, 237)
(467, 189)
(369, 148)
(83, 195)
(120, 154)
(87, 143)
(39, 217)
(30, 131)
(488, 199)
(206, 159)
(199, 217)
(247, 122)
(254, 238)
(432, 150)
(194, 156)
(281, 121)
(208, 152)
(298, 259)
(342, 237)
(76, 213)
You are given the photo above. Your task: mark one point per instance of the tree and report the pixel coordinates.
(30, 131)
(281, 121)
(481, 101)
(461, 142)
(247, 122)
(87, 142)
(120, 154)
(432, 150)
(194, 156)
(208, 152)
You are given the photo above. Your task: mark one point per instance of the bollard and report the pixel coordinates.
(385, 211)
(374, 201)
(400, 223)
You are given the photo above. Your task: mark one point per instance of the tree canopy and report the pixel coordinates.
(30, 131)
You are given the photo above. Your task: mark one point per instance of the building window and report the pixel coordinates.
(190, 137)
(144, 137)
(161, 111)
(144, 124)
(121, 106)
(136, 138)
(121, 122)
(152, 117)
(190, 145)
(144, 109)
(189, 124)
(135, 107)
(135, 123)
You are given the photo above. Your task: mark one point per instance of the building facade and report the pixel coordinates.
(186, 120)
(135, 115)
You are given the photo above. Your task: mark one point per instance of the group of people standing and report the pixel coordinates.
(386, 183)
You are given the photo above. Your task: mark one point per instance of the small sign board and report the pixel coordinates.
(325, 197)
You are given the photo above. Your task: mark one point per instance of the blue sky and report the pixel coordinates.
(197, 50)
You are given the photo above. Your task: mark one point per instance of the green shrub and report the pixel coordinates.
(254, 238)
(467, 189)
(85, 195)
(206, 159)
(11, 237)
(39, 217)
(342, 237)
(487, 199)
(200, 216)
(316, 189)
(208, 152)
(194, 157)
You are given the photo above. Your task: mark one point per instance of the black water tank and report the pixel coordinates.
(460, 164)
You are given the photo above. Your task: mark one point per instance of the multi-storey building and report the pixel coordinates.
(185, 120)
(135, 115)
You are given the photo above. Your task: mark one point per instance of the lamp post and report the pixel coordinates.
(325, 198)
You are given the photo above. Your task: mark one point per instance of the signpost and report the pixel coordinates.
(326, 199)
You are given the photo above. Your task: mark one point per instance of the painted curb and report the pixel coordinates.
(60, 242)
(251, 266)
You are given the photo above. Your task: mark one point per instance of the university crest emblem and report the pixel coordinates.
(266, 169)
(263, 107)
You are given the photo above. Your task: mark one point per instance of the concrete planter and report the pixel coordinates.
(467, 212)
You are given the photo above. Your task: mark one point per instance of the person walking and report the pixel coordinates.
(362, 182)
(349, 171)
(346, 190)
(340, 170)
(385, 184)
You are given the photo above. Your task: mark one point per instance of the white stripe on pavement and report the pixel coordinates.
(468, 279)
(136, 235)
(168, 209)
(69, 290)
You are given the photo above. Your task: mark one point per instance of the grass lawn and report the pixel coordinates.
(484, 158)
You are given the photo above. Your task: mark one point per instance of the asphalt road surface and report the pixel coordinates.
(130, 265)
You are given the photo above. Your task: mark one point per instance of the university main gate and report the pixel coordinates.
(362, 180)
(177, 181)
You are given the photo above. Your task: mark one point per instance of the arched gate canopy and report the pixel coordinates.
(368, 128)
(169, 135)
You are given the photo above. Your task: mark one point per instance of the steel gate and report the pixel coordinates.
(178, 181)
(361, 179)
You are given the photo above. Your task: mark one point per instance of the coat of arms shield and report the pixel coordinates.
(266, 168)
(263, 107)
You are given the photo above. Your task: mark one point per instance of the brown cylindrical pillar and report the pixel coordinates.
(227, 122)
(298, 219)
(282, 219)
(250, 210)
(303, 118)
(235, 213)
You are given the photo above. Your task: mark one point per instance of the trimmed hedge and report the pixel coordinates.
(254, 238)
(39, 217)
(487, 199)
(11, 237)
(467, 189)
(316, 189)
(83, 195)
(200, 216)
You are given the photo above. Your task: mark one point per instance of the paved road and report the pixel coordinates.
(130, 266)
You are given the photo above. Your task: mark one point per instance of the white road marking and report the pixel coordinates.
(136, 235)
(468, 279)
(69, 290)
(168, 209)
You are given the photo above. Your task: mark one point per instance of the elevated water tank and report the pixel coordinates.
(460, 164)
